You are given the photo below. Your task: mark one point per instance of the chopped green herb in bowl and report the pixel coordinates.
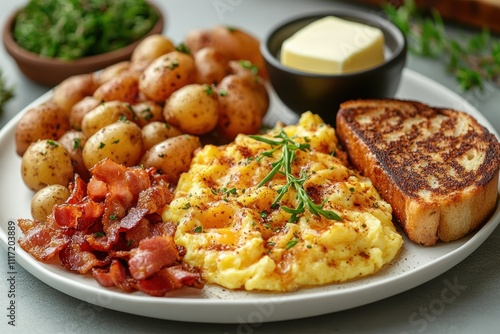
(75, 29)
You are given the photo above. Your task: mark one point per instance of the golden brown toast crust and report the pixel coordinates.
(438, 168)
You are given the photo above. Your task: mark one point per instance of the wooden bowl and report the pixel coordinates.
(51, 71)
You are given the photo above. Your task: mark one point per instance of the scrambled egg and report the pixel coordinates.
(231, 231)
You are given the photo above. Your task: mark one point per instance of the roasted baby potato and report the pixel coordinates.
(124, 87)
(120, 141)
(46, 162)
(111, 72)
(166, 74)
(104, 114)
(243, 103)
(156, 132)
(72, 90)
(46, 198)
(74, 141)
(173, 156)
(147, 112)
(212, 66)
(151, 48)
(236, 43)
(194, 109)
(45, 121)
(80, 109)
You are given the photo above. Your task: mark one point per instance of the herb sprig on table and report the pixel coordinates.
(75, 29)
(289, 149)
(6, 92)
(472, 60)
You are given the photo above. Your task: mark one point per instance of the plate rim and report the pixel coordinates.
(237, 308)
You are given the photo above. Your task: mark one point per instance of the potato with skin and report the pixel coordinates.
(147, 112)
(243, 103)
(156, 132)
(212, 66)
(173, 156)
(112, 71)
(80, 109)
(74, 141)
(194, 109)
(45, 121)
(46, 162)
(152, 47)
(46, 198)
(104, 114)
(166, 74)
(72, 90)
(236, 43)
(120, 142)
(124, 87)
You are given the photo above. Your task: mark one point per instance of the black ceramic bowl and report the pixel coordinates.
(322, 93)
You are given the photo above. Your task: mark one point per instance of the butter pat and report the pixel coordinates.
(332, 46)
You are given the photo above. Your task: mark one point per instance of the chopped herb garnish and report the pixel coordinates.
(174, 64)
(209, 90)
(77, 143)
(76, 29)
(183, 48)
(247, 64)
(291, 243)
(148, 114)
(198, 229)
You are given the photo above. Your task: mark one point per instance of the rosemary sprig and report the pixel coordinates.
(289, 147)
(472, 61)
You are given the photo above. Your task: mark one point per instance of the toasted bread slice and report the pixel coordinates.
(438, 168)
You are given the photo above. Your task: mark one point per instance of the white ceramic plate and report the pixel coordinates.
(414, 266)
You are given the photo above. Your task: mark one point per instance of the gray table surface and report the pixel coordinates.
(476, 308)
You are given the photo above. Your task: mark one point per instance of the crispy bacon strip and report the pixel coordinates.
(42, 241)
(123, 183)
(155, 198)
(97, 190)
(152, 255)
(78, 255)
(185, 276)
(169, 279)
(104, 243)
(78, 190)
(79, 216)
